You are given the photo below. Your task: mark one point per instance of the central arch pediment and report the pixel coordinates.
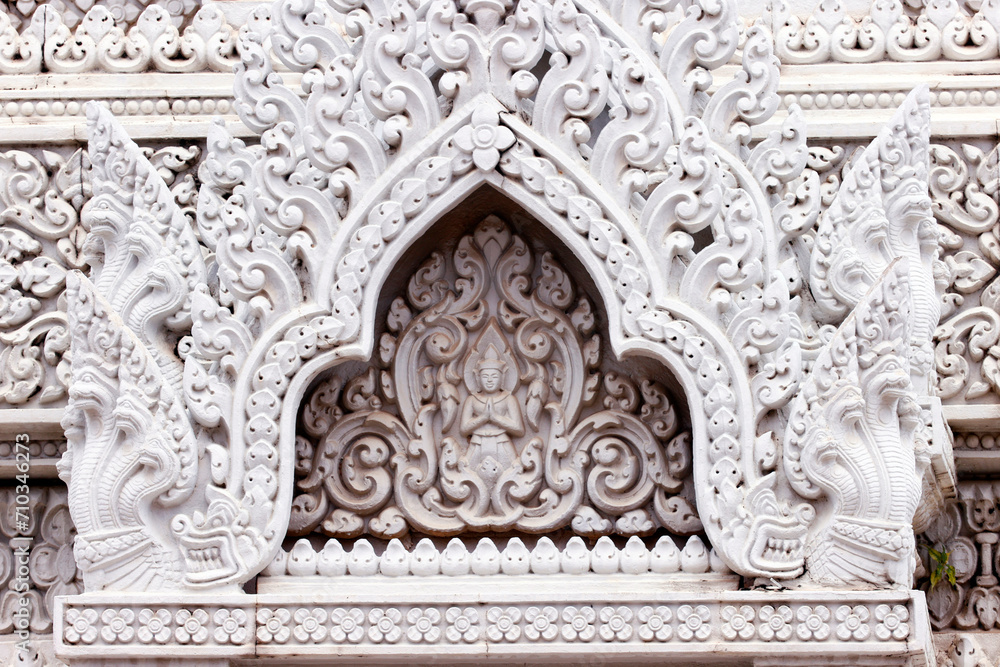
(643, 318)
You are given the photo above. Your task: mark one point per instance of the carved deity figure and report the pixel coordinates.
(490, 417)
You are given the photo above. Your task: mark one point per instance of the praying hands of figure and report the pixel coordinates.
(506, 414)
(473, 418)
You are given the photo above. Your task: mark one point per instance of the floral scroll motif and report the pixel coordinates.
(43, 238)
(490, 387)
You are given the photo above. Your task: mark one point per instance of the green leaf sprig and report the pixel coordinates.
(942, 567)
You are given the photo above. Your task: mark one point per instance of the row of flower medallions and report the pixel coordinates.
(458, 625)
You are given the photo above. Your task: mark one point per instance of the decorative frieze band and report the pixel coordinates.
(41, 109)
(49, 108)
(849, 97)
(52, 40)
(450, 621)
(102, 41)
(128, 36)
(38, 449)
(182, 105)
(73, 12)
(843, 101)
(890, 30)
(43, 457)
(974, 441)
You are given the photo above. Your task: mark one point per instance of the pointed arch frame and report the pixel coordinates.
(643, 319)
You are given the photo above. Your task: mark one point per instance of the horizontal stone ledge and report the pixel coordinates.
(38, 469)
(50, 108)
(54, 87)
(572, 624)
(822, 126)
(478, 589)
(33, 436)
(140, 128)
(36, 423)
(972, 463)
(841, 101)
(976, 418)
(832, 125)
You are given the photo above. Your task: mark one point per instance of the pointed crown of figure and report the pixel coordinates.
(490, 360)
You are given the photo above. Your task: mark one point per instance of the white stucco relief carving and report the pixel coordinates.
(43, 238)
(491, 408)
(893, 30)
(129, 37)
(692, 240)
(883, 211)
(857, 419)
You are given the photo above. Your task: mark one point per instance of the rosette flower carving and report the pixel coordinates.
(384, 625)
(853, 623)
(578, 624)
(484, 139)
(154, 626)
(117, 625)
(272, 625)
(463, 625)
(80, 626)
(504, 624)
(192, 626)
(655, 624)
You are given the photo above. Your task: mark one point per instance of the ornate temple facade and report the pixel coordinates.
(500, 332)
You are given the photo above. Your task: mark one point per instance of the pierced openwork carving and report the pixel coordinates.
(492, 408)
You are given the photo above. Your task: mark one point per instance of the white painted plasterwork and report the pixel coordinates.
(694, 323)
